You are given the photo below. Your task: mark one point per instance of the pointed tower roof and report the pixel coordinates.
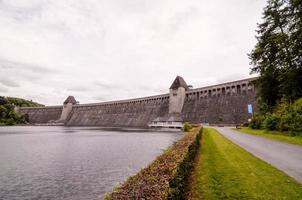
(70, 99)
(179, 82)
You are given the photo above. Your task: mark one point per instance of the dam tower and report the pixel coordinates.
(67, 108)
(177, 95)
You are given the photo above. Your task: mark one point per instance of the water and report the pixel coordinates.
(48, 163)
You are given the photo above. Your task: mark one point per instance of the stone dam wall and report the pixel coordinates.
(42, 115)
(219, 104)
(129, 113)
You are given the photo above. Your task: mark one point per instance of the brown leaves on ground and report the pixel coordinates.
(153, 181)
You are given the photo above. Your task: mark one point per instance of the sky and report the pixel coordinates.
(102, 50)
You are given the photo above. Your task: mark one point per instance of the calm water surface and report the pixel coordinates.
(73, 163)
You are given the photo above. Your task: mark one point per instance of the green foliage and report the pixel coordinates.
(296, 118)
(285, 121)
(10, 122)
(270, 122)
(285, 117)
(277, 56)
(179, 184)
(8, 115)
(200, 131)
(22, 102)
(187, 127)
(3, 100)
(256, 122)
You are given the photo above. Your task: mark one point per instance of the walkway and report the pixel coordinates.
(286, 157)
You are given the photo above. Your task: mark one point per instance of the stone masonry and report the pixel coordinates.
(219, 104)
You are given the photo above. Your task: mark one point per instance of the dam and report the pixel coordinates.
(225, 103)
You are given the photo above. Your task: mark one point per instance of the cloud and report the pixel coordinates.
(108, 50)
(79, 88)
(3, 89)
(107, 85)
(100, 98)
(6, 64)
(8, 82)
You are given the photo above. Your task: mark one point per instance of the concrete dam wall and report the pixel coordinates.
(219, 104)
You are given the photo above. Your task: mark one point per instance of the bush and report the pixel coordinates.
(271, 122)
(285, 122)
(295, 127)
(245, 124)
(256, 122)
(200, 131)
(187, 127)
(179, 184)
(10, 122)
(286, 117)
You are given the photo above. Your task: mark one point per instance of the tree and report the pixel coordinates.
(292, 87)
(277, 54)
(8, 115)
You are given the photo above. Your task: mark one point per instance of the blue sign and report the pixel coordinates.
(250, 108)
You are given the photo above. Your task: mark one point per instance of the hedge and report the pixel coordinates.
(179, 184)
(166, 177)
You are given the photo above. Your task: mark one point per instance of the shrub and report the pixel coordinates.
(256, 122)
(154, 181)
(271, 122)
(10, 122)
(282, 107)
(187, 127)
(179, 184)
(286, 117)
(245, 124)
(200, 131)
(295, 127)
(285, 121)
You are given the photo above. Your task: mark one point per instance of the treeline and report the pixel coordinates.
(8, 115)
(277, 57)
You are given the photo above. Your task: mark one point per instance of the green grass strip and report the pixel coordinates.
(275, 135)
(226, 171)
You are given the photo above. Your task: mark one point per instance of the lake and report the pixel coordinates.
(45, 162)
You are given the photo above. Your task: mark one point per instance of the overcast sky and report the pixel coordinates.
(99, 50)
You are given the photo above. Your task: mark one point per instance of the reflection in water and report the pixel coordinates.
(73, 163)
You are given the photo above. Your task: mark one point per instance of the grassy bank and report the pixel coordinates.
(275, 135)
(166, 177)
(226, 171)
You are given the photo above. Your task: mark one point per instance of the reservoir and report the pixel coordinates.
(73, 163)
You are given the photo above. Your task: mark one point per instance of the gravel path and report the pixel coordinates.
(286, 157)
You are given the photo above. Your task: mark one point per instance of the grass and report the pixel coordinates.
(275, 135)
(226, 171)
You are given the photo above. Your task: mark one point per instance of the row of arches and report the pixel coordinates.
(144, 101)
(238, 88)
